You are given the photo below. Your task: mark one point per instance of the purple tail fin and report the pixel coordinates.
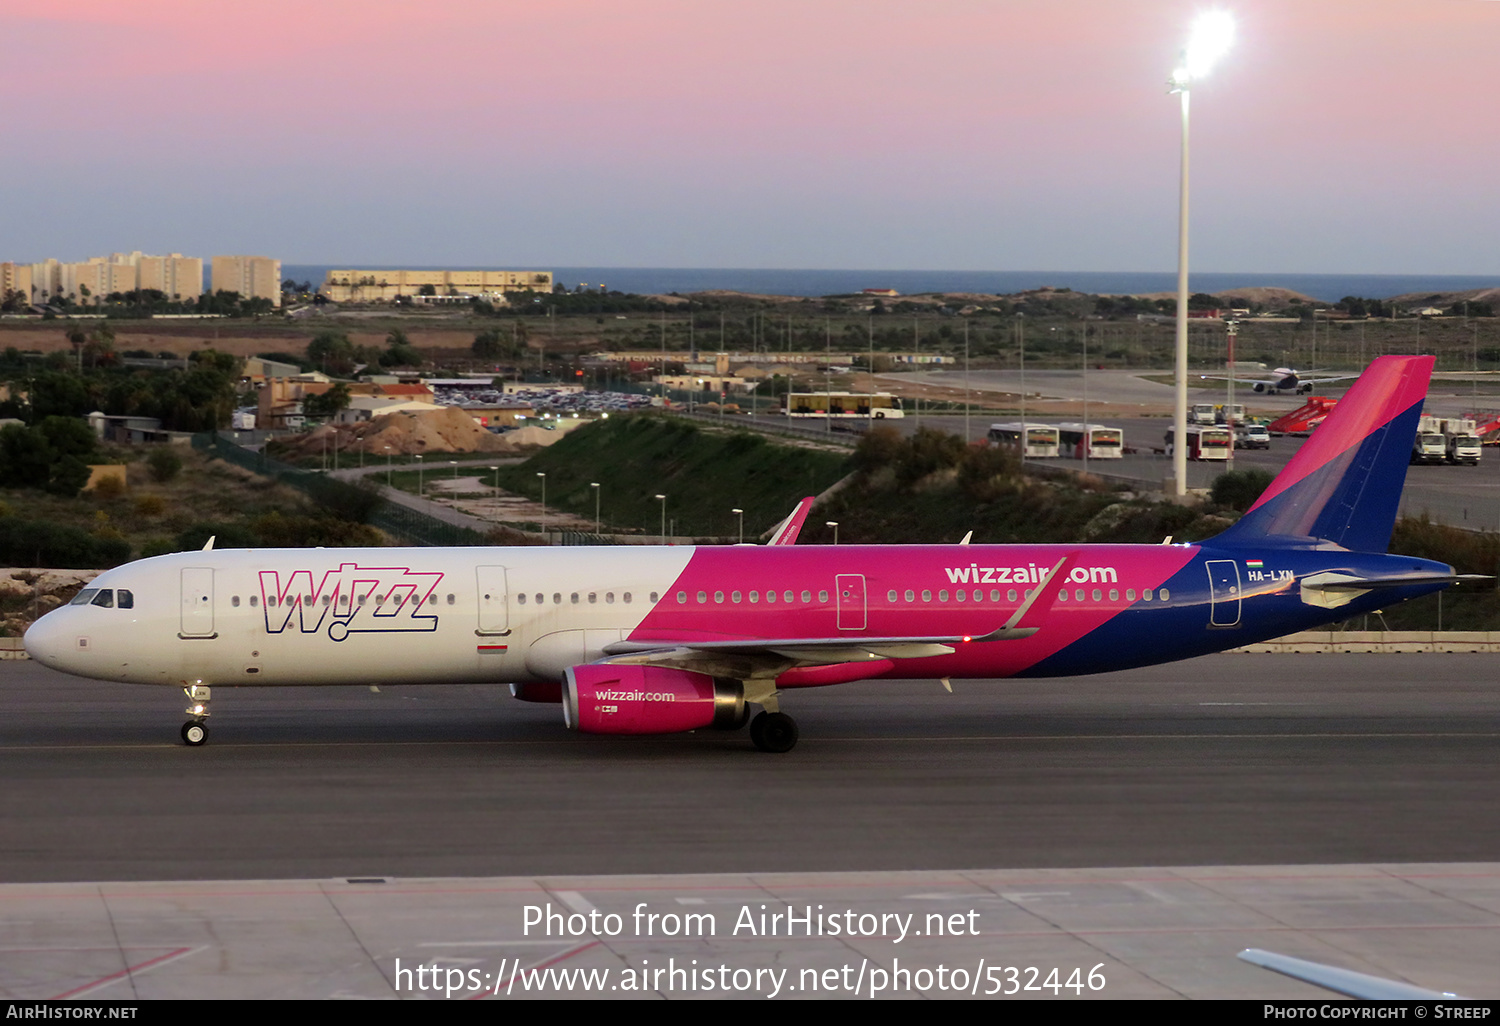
(1344, 484)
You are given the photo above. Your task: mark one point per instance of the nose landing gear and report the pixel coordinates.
(195, 731)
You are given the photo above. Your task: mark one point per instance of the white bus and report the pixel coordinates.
(1103, 443)
(1206, 443)
(1041, 439)
(844, 405)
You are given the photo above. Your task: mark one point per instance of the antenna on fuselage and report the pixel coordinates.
(208, 545)
(966, 538)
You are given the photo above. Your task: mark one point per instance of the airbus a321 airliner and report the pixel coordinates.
(655, 640)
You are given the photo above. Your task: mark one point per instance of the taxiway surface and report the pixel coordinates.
(1228, 760)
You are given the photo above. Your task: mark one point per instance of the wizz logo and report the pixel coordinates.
(350, 600)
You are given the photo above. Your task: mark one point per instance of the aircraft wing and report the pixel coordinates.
(765, 654)
(786, 532)
(1340, 981)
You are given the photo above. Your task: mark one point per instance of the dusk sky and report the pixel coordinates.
(1337, 135)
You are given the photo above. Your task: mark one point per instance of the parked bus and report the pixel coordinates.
(1205, 443)
(1103, 443)
(846, 405)
(1041, 439)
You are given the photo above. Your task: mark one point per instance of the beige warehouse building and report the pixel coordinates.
(385, 286)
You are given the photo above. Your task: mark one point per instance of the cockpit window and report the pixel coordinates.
(84, 597)
(105, 598)
(125, 599)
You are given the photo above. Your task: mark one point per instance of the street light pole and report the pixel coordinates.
(741, 515)
(835, 525)
(595, 486)
(543, 475)
(420, 492)
(1211, 37)
(663, 500)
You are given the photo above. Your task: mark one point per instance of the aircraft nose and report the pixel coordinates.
(48, 640)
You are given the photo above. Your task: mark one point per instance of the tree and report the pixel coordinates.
(328, 404)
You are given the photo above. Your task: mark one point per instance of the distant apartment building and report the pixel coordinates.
(90, 281)
(251, 276)
(439, 286)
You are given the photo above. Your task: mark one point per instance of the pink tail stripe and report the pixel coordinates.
(1390, 387)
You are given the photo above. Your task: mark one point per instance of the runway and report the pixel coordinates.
(1224, 760)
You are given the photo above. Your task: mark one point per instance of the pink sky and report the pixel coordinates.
(1338, 135)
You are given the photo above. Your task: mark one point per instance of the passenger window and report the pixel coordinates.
(1010, 596)
(626, 596)
(807, 596)
(653, 597)
(822, 596)
(609, 597)
(961, 595)
(702, 597)
(326, 600)
(719, 597)
(787, 596)
(911, 596)
(735, 597)
(926, 595)
(771, 597)
(255, 601)
(521, 598)
(1078, 594)
(557, 598)
(1166, 596)
(1098, 595)
(450, 600)
(1129, 594)
(681, 597)
(1146, 594)
(105, 599)
(979, 595)
(890, 596)
(943, 595)
(1114, 594)
(755, 596)
(593, 598)
(235, 601)
(127, 599)
(84, 597)
(573, 598)
(1062, 596)
(995, 595)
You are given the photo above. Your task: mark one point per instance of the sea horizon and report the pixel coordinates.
(811, 283)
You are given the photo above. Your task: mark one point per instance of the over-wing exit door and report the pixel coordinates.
(851, 601)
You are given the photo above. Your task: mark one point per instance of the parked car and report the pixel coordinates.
(1255, 436)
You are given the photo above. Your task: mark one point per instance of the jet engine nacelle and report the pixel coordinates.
(1260, 386)
(604, 699)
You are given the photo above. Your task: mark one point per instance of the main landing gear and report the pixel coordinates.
(773, 732)
(195, 731)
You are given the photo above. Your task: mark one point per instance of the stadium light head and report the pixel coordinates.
(1212, 35)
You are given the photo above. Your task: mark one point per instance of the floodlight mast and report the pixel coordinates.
(1212, 34)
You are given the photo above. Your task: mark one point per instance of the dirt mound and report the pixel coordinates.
(406, 433)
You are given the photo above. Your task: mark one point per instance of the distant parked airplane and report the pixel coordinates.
(1282, 379)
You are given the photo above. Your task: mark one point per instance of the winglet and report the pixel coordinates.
(1039, 602)
(786, 532)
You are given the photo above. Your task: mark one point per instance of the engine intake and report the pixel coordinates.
(605, 699)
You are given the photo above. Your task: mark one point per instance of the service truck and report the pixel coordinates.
(1430, 445)
(1461, 440)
